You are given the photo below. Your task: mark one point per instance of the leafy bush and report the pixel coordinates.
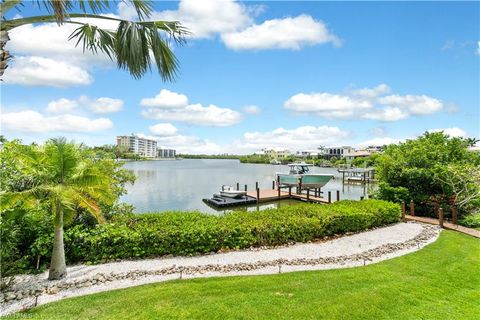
(471, 221)
(131, 236)
(417, 165)
(393, 194)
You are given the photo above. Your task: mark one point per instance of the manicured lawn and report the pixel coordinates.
(441, 281)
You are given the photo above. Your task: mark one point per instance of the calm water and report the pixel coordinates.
(182, 184)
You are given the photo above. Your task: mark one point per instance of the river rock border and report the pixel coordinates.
(428, 232)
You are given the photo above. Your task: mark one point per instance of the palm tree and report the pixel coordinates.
(129, 46)
(64, 177)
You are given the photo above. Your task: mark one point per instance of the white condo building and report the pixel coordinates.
(166, 153)
(141, 146)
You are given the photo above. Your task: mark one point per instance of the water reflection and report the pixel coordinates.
(182, 184)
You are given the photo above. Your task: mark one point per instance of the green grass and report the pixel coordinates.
(442, 281)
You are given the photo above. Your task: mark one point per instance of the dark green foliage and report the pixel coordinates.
(415, 164)
(471, 221)
(133, 236)
(393, 194)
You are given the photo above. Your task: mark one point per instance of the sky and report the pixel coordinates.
(255, 75)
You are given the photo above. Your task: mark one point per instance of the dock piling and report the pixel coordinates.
(256, 185)
(329, 196)
(289, 191)
(273, 185)
(258, 195)
(308, 194)
(245, 188)
(454, 215)
(338, 195)
(238, 186)
(440, 217)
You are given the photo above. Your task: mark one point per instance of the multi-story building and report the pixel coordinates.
(337, 152)
(166, 153)
(143, 147)
(277, 153)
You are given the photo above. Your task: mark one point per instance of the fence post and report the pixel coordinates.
(454, 215)
(338, 195)
(329, 196)
(440, 217)
(412, 208)
(403, 211)
(258, 195)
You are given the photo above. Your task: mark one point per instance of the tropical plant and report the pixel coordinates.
(129, 45)
(65, 178)
(422, 165)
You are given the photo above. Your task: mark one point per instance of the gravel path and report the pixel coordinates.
(348, 251)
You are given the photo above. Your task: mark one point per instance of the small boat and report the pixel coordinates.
(275, 161)
(231, 192)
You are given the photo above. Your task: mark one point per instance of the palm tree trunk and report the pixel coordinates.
(4, 54)
(58, 268)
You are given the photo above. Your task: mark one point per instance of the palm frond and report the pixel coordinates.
(130, 45)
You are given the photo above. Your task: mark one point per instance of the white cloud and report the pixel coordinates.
(38, 71)
(163, 130)
(102, 105)
(417, 105)
(34, 122)
(449, 44)
(366, 103)
(166, 99)
(373, 92)
(379, 132)
(252, 109)
(208, 17)
(51, 41)
(386, 114)
(62, 106)
(196, 114)
(295, 139)
(288, 33)
(45, 56)
(452, 132)
(172, 106)
(326, 104)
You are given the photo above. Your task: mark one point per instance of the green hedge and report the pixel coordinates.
(188, 233)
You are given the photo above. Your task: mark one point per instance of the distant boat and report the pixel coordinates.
(231, 192)
(275, 161)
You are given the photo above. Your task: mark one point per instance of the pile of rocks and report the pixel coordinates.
(36, 289)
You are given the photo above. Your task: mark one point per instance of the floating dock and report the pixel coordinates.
(222, 202)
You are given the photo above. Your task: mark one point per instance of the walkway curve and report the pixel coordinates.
(348, 251)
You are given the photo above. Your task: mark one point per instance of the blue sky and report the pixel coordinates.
(260, 74)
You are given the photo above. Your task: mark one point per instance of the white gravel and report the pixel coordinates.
(344, 246)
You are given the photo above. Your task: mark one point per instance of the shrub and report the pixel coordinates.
(132, 236)
(471, 221)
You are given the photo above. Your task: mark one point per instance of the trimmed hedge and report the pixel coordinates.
(186, 233)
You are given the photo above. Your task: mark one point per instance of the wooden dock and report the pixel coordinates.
(267, 195)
